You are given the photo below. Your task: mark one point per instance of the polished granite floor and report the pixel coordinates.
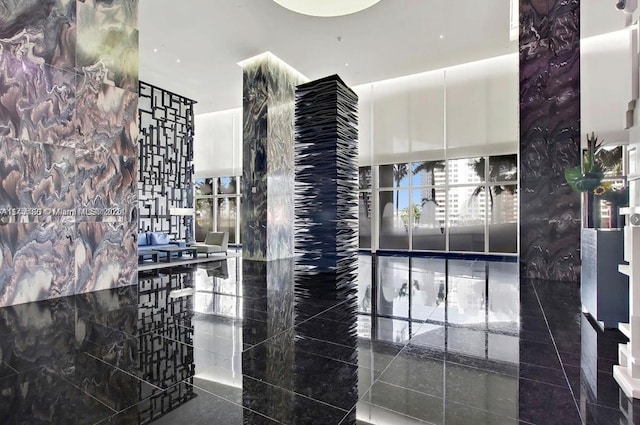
(421, 340)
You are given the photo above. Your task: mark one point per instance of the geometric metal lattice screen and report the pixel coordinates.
(165, 152)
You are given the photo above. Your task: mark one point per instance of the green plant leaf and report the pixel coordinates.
(572, 175)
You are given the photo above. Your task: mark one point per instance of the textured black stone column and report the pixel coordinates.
(549, 138)
(326, 178)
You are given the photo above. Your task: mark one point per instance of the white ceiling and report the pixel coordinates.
(390, 39)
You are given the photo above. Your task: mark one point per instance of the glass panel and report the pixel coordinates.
(204, 187)
(364, 174)
(465, 171)
(226, 185)
(427, 286)
(466, 297)
(238, 239)
(364, 218)
(467, 208)
(394, 219)
(503, 168)
(504, 296)
(610, 159)
(204, 218)
(503, 219)
(227, 216)
(395, 175)
(393, 286)
(428, 173)
(364, 283)
(429, 218)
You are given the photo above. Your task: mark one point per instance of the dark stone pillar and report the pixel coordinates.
(549, 138)
(326, 203)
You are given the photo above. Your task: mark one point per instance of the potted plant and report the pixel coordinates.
(589, 179)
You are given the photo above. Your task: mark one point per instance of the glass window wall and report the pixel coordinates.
(462, 204)
(217, 207)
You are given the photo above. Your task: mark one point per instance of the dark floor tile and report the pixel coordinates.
(328, 330)
(545, 404)
(549, 289)
(107, 300)
(184, 404)
(124, 320)
(535, 336)
(497, 366)
(597, 387)
(367, 413)
(286, 406)
(406, 402)
(6, 370)
(533, 324)
(458, 414)
(101, 335)
(599, 415)
(481, 389)
(415, 371)
(40, 397)
(567, 341)
(112, 387)
(539, 354)
(159, 361)
(576, 359)
(327, 349)
(49, 347)
(323, 379)
(545, 375)
(376, 354)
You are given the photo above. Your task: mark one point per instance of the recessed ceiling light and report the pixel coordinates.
(346, 64)
(441, 36)
(155, 50)
(326, 8)
(178, 60)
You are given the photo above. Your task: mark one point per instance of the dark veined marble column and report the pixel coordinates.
(267, 165)
(549, 138)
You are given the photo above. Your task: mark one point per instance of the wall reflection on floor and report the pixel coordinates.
(236, 342)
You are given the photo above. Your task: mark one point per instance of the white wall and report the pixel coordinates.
(460, 111)
(605, 86)
(218, 144)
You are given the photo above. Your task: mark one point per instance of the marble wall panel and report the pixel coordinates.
(106, 187)
(268, 139)
(67, 133)
(254, 239)
(105, 38)
(107, 116)
(36, 261)
(114, 11)
(45, 29)
(105, 256)
(37, 181)
(37, 101)
(549, 138)
(254, 181)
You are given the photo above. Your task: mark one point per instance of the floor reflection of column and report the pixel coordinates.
(269, 286)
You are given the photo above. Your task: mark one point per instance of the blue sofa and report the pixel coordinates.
(150, 241)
